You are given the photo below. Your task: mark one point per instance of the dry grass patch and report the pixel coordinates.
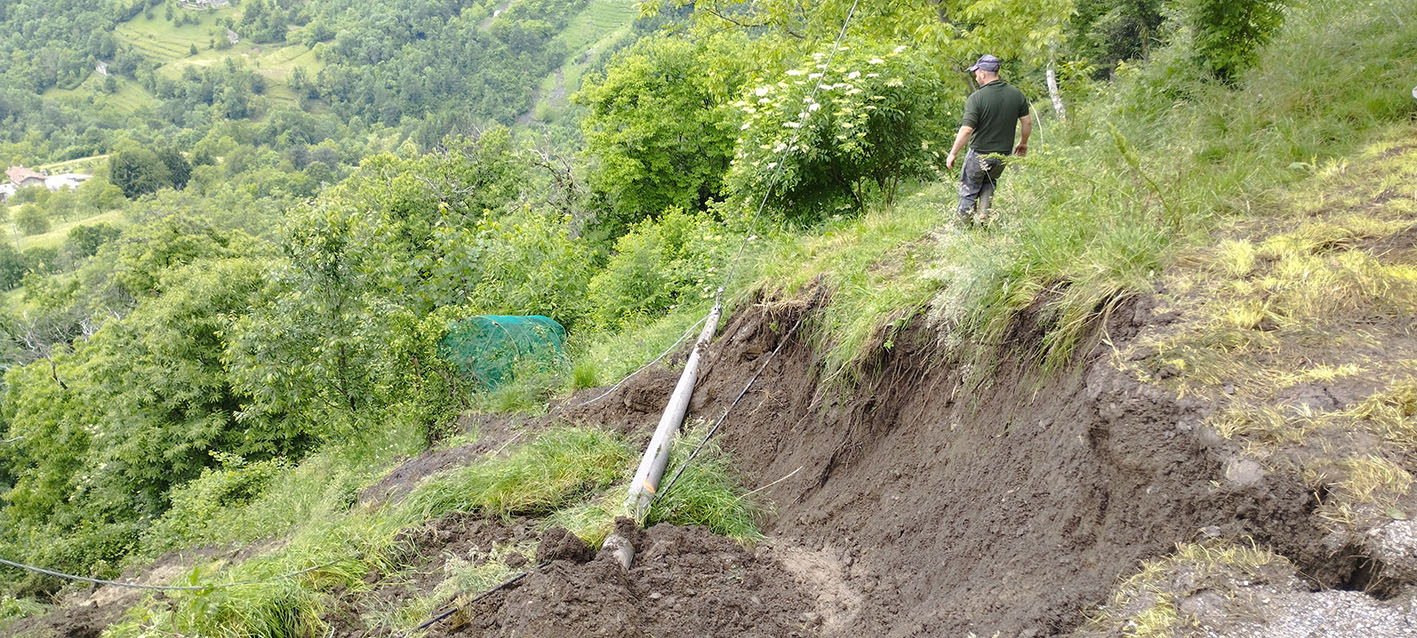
(1151, 603)
(1299, 326)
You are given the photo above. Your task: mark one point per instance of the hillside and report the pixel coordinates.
(382, 359)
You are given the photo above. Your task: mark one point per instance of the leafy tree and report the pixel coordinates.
(12, 267)
(138, 172)
(109, 427)
(62, 203)
(100, 194)
(31, 220)
(84, 240)
(1228, 34)
(346, 337)
(1106, 32)
(877, 119)
(658, 125)
(179, 170)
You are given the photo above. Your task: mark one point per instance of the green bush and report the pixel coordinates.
(195, 503)
(878, 120)
(658, 127)
(12, 267)
(529, 264)
(1230, 33)
(661, 264)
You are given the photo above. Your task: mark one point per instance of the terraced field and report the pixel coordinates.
(589, 37)
(171, 45)
(128, 98)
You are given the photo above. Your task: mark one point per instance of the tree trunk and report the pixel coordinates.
(1058, 107)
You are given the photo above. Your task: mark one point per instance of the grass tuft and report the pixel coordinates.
(558, 468)
(708, 493)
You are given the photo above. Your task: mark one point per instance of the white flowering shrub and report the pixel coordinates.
(833, 136)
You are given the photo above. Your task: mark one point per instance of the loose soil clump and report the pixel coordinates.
(423, 554)
(685, 582)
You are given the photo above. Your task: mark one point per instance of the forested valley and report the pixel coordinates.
(232, 325)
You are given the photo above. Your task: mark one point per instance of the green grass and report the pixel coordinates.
(78, 165)
(868, 266)
(128, 98)
(165, 41)
(558, 468)
(58, 232)
(569, 476)
(708, 493)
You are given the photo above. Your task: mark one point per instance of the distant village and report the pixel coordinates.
(21, 177)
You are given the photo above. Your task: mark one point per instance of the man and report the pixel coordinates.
(989, 117)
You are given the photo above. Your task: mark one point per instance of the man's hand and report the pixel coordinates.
(1025, 129)
(960, 140)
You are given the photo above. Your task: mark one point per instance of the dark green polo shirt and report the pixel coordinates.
(993, 111)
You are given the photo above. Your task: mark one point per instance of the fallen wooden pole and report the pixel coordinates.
(651, 470)
(646, 482)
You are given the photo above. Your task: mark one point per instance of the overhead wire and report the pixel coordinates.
(142, 586)
(724, 417)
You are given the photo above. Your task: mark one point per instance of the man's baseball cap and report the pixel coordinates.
(986, 63)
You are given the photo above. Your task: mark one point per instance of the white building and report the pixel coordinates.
(66, 180)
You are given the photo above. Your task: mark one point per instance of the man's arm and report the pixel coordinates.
(960, 141)
(1026, 124)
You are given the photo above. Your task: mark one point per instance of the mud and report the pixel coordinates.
(84, 612)
(495, 434)
(685, 582)
(423, 553)
(932, 506)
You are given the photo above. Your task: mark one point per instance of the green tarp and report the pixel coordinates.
(490, 349)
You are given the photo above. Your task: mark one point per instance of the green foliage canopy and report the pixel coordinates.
(658, 125)
(1229, 33)
(874, 122)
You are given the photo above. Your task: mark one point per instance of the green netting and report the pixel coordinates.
(490, 349)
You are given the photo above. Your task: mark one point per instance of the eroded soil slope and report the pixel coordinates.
(1017, 504)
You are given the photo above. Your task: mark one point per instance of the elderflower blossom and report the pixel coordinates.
(794, 72)
(853, 75)
(762, 90)
(875, 61)
(900, 48)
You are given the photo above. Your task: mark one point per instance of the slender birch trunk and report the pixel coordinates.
(1058, 107)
